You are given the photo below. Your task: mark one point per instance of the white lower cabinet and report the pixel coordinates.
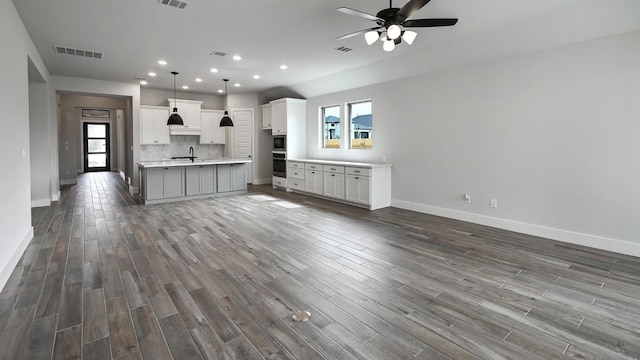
(358, 189)
(164, 183)
(334, 181)
(313, 182)
(231, 178)
(279, 182)
(200, 180)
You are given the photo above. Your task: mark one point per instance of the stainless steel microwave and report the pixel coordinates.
(280, 143)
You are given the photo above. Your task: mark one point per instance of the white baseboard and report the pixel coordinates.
(261, 181)
(6, 271)
(56, 196)
(593, 241)
(40, 203)
(133, 190)
(123, 176)
(68, 181)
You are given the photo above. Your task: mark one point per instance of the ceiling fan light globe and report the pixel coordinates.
(409, 36)
(394, 31)
(371, 36)
(389, 45)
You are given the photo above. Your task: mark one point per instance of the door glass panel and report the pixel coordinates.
(97, 160)
(96, 131)
(97, 145)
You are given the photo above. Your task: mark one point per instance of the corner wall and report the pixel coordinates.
(15, 189)
(552, 135)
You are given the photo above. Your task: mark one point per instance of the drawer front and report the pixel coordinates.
(278, 181)
(296, 173)
(313, 167)
(358, 171)
(296, 165)
(334, 169)
(296, 184)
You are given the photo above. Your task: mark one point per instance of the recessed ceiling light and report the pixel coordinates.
(220, 91)
(185, 87)
(236, 85)
(162, 62)
(283, 67)
(237, 57)
(256, 76)
(142, 82)
(214, 70)
(152, 74)
(198, 80)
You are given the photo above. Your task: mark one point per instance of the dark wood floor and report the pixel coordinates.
(107, 278)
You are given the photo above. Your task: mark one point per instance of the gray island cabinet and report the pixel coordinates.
(175, 180)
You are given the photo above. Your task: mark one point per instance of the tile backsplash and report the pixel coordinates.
(180, 147)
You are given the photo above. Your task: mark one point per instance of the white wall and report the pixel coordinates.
(15, 189)
(553, 136)
(40, 166)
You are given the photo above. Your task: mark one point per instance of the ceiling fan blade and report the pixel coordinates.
(357, 33)
(358, 13)
(411, 7)
(429, 22)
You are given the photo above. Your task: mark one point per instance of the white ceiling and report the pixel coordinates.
(135, 34)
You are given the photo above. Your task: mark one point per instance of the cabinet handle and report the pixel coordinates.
(356, 171)
(333, 175)
(155, 141)
(356, 178)
(333, 169)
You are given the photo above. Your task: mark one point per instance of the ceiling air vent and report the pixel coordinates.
(218, 53)
(174, 3)
(78, 52)
(343, 49)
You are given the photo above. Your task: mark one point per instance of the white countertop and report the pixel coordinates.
(342, 163)
(187, 162)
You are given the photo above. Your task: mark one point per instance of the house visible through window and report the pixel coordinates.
(331, 126)
(360, 124)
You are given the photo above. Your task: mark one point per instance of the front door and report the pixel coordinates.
(96, 147)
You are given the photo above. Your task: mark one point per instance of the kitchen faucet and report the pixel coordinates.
(192, 154)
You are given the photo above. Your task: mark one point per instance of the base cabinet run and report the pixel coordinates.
(174, 183)
(360, 184)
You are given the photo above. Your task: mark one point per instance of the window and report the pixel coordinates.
(330, 117)
(360, 125)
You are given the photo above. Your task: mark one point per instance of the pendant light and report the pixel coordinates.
(175, 118)
(226, 120)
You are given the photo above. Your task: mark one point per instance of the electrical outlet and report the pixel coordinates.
(467, 198)
(384, 158)
(494, 203)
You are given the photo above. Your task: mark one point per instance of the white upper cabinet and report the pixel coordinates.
(189, 111)
(266, 116)
(153, 125)
(279, 118)
(211, 132)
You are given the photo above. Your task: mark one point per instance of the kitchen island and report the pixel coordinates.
(176, 180)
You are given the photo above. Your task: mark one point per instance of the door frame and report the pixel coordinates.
(252, 141)
(85, 150)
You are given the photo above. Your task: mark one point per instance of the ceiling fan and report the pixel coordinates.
(391, 22)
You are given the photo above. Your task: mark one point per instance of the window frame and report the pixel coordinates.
(351, 130)
(322, 126)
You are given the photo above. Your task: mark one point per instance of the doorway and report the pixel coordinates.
(243, 138)
(96, 147)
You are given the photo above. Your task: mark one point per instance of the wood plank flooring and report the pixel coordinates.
(107, 278)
